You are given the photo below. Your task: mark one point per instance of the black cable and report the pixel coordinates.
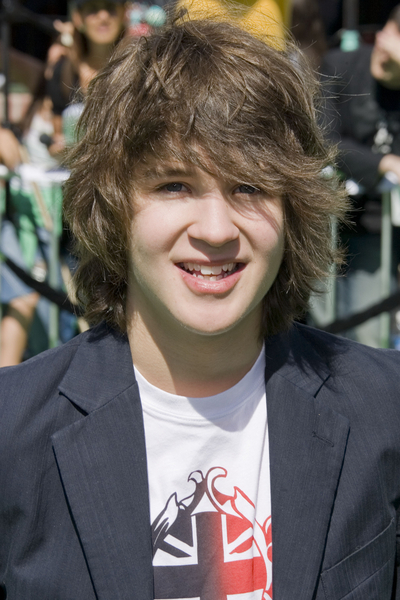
(385, 305)
(57, 297)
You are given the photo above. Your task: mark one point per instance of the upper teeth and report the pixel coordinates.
(208, 269)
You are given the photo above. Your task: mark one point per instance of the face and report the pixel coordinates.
(101, 21)
(204, 251)
(385, 58)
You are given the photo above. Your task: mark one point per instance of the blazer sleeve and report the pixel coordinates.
(396, 595)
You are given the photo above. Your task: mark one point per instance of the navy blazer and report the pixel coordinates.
(74, 509)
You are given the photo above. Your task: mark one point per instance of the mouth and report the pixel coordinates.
(210, 272)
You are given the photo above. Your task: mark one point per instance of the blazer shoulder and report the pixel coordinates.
(358, 375)
(45, 365)
(36, 379)
(345, 353)
(338, 359)
(28, 386)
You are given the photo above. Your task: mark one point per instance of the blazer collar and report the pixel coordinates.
(102, 462)
(101, 369)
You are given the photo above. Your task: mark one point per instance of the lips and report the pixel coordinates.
(210, 272)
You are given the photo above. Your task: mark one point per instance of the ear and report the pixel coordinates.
(77, 20)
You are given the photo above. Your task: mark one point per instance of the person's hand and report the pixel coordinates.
(385, 57)
(58, 146)
(66, 30)
(390, 163)
(61, 47)
(9, 149)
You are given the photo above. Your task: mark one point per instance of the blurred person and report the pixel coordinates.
(362, 89)
(97, 26)
(18, 299)
(18, 239)
(19, 302)
(73, 60)
(31, 213)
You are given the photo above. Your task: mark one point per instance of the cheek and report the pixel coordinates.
(271, 246)
(87, 27)
(274, 250)
(143, 241)
(150, 237)
(271, 232)
(158, 225)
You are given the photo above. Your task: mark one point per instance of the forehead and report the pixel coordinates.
(94, 6)
(171, 159)
(173, 164)
(169, 153)
(161, 170)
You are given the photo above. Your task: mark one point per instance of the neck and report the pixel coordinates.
(98, 55)
(193, 364)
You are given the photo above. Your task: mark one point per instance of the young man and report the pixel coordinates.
(195, 443)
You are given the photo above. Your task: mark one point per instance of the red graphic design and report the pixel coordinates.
(210, 546)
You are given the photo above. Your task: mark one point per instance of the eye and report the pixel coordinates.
(246, 189)
(174, 187)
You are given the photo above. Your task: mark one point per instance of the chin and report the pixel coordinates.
(212, 328)
(208, 332)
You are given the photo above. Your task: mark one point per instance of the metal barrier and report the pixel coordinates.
(40, 180)
(324, 311)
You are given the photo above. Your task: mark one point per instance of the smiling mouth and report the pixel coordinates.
(211, 273)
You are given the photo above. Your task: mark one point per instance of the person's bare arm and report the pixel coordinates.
(9, 149)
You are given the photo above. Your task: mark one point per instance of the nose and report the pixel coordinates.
(213, 221)
(103, 14)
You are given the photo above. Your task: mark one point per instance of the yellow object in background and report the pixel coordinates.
(259, 17)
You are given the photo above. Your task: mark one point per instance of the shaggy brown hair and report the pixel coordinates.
(194, 90)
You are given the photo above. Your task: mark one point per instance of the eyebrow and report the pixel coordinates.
(161, 172)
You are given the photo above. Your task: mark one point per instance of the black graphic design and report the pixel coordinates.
(209, 545)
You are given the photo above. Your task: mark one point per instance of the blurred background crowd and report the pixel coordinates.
(49, 52)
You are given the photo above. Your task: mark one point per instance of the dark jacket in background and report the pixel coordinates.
(363, 118)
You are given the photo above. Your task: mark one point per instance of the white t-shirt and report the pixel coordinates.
(210, 501)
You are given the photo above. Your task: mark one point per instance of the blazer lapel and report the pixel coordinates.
(102, 464)
(307, 446)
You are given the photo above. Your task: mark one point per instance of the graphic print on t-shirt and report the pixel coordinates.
(209, 546)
